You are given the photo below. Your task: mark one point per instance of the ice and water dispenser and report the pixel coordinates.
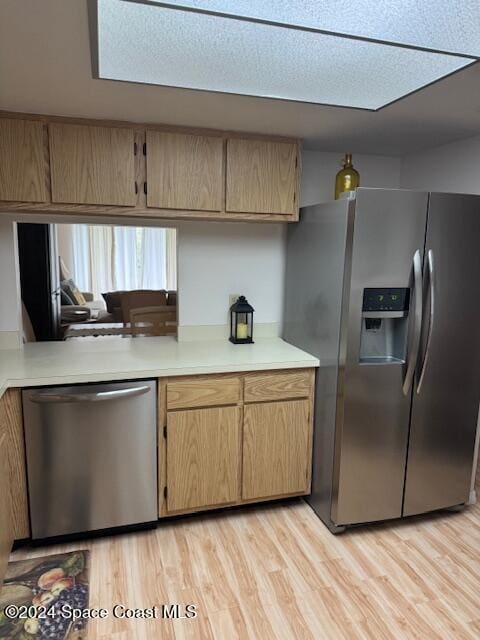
(384, 325)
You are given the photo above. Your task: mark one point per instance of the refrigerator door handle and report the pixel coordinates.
(431, 278)
(417, 323)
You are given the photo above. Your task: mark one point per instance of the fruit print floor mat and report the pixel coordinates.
(41, 598)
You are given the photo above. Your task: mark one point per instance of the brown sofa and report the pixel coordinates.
(120, 303)
(92, 310)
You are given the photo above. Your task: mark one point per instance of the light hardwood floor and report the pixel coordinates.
(276, 572)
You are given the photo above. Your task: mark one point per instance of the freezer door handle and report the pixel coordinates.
(417, 322)
(431, 280)
(101, 396)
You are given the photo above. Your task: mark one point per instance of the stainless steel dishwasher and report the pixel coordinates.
(91, 456)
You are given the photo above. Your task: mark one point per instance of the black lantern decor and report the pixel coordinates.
(241, 322)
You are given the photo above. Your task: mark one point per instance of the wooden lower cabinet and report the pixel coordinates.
(276, 449)
(11, 421)
(250, 441)
(6, 530)
(203, 457)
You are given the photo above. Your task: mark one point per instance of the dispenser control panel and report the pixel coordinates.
(395, 299)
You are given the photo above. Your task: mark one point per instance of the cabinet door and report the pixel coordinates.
(6, 534)
(11, 422)
(92, 165)
(184, 171)
(203, 457)
(261, 176)
(276, 449)
(22, 161)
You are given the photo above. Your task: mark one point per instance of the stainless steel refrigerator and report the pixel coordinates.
(384, 288)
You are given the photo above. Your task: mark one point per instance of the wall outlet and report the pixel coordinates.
(232, 298)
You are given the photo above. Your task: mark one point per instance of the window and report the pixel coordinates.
(103, 258)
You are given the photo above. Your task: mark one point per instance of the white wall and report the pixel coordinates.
(219, 259)
(10, 324)
(319, 169)
(452, 168)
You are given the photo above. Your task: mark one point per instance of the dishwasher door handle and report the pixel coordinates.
(101, 396)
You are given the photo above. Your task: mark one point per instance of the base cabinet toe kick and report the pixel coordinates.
(222, 440)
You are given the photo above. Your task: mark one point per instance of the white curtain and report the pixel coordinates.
(124, 258)
(171, 258)
(81, 257)
(101, 263)
(154, 259)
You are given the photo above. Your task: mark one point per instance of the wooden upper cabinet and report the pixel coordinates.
(22, 161)
(92, 165)
(276, 449)
(261, 176)
(184, 171)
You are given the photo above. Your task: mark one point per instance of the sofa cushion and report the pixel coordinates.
(96, 304)
(104, 317)
(74, 313)
(65, 299)
(113, 300)
(73, 291)
(141, 298)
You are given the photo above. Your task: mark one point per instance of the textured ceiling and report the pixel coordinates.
(45, 67)
(172, 47)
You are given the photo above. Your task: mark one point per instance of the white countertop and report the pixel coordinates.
(103, 359)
